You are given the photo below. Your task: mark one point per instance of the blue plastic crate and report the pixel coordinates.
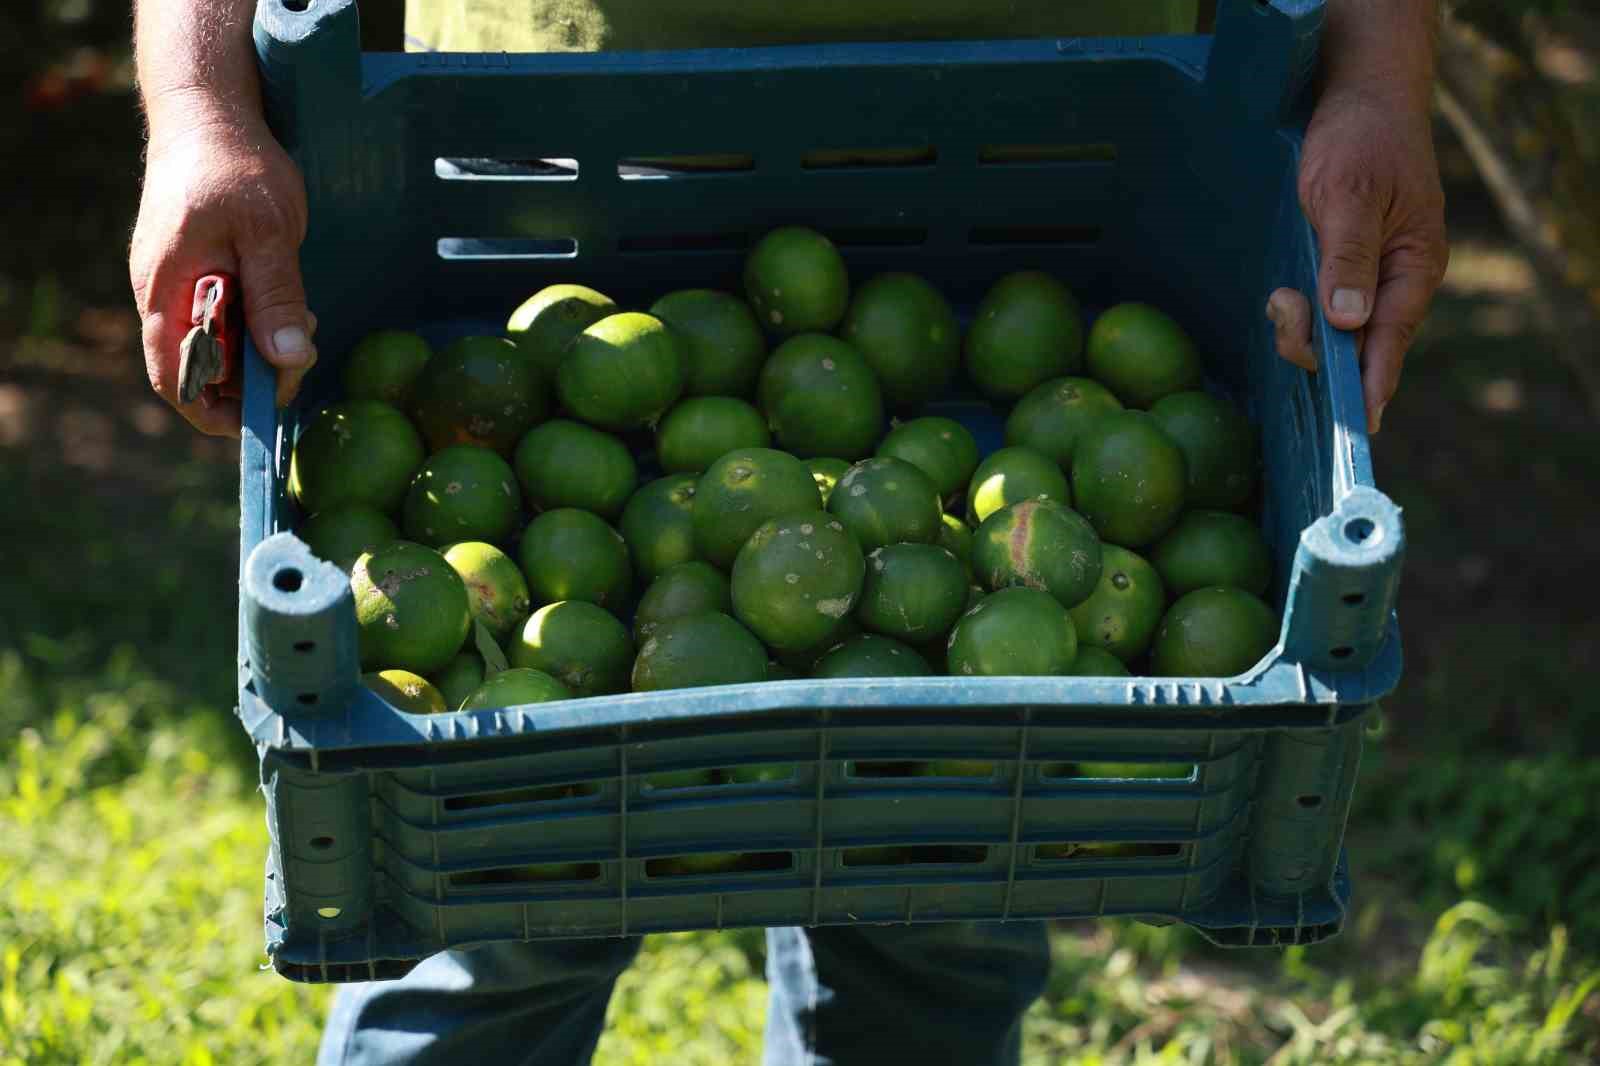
(1159, 169)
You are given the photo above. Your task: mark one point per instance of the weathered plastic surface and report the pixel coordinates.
(1169, 178)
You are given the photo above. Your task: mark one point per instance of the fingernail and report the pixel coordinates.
(1349, 302)
(292, 346)
(1273, 314)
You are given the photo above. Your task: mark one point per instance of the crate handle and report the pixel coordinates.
(300, 629)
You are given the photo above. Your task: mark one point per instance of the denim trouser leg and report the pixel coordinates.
(929, 994)
(540, 1004)
(842, 996)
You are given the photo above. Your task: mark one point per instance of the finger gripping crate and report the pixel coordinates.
(1160, 169)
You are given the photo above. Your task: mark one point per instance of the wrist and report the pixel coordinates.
(179, 113)
(1381, 51)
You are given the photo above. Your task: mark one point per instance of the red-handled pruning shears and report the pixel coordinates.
(209, 354)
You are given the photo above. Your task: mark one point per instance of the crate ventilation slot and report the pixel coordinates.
(460, 169)
(869, 158)
(542, 873)
(508, 797)
(941, 768)
(497, 248)
(1002, 155)
(719, 863)
(1098, 850)
(916, 855)
(674, 167)
(1108, 771)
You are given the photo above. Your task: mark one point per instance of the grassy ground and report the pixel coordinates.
(131, 837)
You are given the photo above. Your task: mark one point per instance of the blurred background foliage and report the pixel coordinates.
(132, 838)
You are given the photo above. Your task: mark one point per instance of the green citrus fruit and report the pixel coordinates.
(796, 281)
(803, 659)
(1052, 417)
(1011, 475)
(826, 473)
(384, 366)
(1213, 632)
(573, 555)
(796, 578)
(1218, 444)
(622, 372)
(682, 590)
(1096, 662)
(512, 688)
(1027, 329)
(1014, 632)
(341, 534)
(1040, 544)
(569, 464)
(907, 333)
(940, 447)
(739, 492)
(821, 398)
(479, 390)
(581, 645)
(698, 649)
(406, 691)
(722, 341)
(497, 593)
(459, 679)
(871, 655)
(462, 493)
(658, 524)
(1208, 548)
(546, 322)
(362, 451)
(1128, 479)
(913, 592)
(1140, 353)
(702, 429)
(955, 537)
(887, 501)
(411, 608)
(1122, 613)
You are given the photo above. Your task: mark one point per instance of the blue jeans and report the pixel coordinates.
(939, 993)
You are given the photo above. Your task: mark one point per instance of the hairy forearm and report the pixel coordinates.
(195, 63)
(1382, 48)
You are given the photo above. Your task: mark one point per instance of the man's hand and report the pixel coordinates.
(1369, 183)
(221, 199)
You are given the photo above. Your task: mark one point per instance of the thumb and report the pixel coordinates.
(1350, 230)
(275, 313)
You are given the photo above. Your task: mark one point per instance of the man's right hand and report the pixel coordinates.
(221, 197)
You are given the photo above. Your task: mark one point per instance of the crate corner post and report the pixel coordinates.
(1346, 575)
